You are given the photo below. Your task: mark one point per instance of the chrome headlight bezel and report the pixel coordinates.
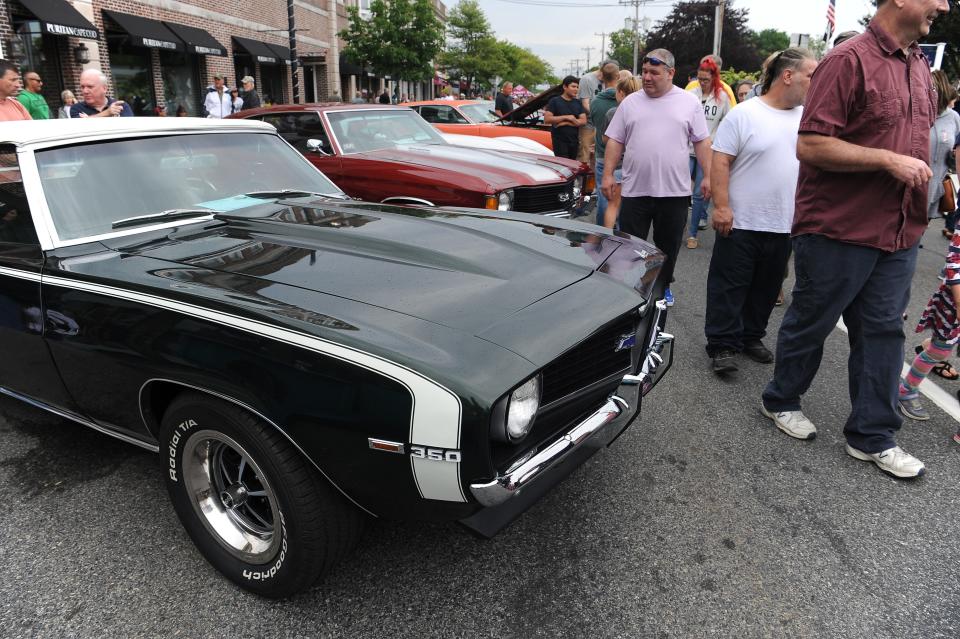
(505, 200)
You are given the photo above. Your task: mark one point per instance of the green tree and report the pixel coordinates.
(768, 41)
(621, 48)
(400, 39)
(472, 52)
(522, 66)
(688, 33)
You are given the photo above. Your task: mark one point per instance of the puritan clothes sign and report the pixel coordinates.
(144, 32)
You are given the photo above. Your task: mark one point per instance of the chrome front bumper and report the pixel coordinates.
(596, 431)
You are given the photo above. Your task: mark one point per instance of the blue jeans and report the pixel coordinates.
(870, 289)
(699, 207)
(601, 201)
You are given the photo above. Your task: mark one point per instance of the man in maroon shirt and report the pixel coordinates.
(861, 210)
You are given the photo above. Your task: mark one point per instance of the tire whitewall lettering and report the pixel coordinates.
(253, 505)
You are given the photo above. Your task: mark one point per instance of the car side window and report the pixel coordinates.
(298, 128)
(431, 114)
(16, 224)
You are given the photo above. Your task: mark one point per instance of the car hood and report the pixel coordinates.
(499, 168)
(463, 269)
(532, 105)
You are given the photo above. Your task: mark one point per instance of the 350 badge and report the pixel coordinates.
(435, 454)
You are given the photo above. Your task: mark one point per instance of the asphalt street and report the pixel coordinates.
(702, 520)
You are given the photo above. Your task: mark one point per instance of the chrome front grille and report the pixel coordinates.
(592, 360)
(543, 199)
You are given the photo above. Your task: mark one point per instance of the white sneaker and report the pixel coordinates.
(894, 461)
(792, 422)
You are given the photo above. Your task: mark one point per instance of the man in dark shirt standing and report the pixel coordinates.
(504, 102)
(860, 212)
(565, 115)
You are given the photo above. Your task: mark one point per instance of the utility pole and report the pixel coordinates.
(636, 30)
(293, 52)
(588, 50)
(575, 64)
(603, 44)
(718, 26)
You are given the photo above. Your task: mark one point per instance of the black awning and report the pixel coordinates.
(349, 67)
(282, 52)
(260, 51)
(145, 32)
(198, 40)
(60, 18)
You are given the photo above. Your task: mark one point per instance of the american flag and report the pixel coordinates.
(831, 20)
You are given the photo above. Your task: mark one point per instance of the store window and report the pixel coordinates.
(181, 82)
(272, 81)
(40, 54)
(132, 75)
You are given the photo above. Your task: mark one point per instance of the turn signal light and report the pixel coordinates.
(490, 202)
(590, 184)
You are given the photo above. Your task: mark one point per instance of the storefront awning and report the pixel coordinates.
(348, 66)
(145, 32)
(282, 52)
(198, 40)
(60, 18)
(259, 50)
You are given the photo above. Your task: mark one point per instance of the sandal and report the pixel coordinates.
(943, 369)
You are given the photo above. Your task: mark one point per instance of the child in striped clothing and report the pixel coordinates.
(940, 317)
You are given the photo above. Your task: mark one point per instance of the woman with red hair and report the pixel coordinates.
(716, 105)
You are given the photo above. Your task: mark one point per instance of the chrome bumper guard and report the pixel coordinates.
(596, 431)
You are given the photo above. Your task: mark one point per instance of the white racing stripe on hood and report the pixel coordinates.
(536, 169)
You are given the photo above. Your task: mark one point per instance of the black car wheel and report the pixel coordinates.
(254, 506)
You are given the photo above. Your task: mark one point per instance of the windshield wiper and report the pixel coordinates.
(294, 193)
(162, 216)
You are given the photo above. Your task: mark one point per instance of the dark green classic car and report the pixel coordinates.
(302, 361)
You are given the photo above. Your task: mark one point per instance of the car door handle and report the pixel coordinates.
(61, 324)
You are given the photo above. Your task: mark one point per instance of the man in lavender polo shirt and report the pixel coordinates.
(651, 131)
(861, 209)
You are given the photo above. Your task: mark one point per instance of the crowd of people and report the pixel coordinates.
(792, 165)
(21, 97)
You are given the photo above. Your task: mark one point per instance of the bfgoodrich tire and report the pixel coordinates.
(254, 506)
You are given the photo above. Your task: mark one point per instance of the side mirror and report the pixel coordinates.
(317, 146)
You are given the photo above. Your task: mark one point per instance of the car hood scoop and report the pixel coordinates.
(465, 270)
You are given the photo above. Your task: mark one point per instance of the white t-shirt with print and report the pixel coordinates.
(763, 175)
(714, 110)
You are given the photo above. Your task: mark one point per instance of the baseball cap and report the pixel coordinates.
(218, 76)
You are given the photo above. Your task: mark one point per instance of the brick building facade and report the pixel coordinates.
(152, 53)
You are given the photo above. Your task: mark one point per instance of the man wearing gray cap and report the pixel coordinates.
(249, 95)
(218, 103)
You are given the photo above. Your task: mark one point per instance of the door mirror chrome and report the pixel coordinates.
(317, 146)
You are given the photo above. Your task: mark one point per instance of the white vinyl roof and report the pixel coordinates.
(45, 131)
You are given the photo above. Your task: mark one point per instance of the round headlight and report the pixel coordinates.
(522, 409)
(505, 201)
(577, 187)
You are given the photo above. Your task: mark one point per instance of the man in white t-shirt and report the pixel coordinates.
(754, 180)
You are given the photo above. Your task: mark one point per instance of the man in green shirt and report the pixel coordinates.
(30, 96)
(601, 103)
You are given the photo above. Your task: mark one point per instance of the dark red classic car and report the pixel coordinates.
(385, 153)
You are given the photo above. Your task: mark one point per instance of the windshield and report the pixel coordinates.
(479, 111)
(369, 129)
(88, 187)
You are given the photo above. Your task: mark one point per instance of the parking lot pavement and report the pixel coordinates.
(701, 520)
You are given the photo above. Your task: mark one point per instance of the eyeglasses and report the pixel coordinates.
(657, 62)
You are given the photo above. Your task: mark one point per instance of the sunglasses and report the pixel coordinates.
(657, 62)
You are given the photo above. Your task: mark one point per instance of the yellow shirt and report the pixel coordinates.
(726, 87)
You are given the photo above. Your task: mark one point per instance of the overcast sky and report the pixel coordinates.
(559, 34)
